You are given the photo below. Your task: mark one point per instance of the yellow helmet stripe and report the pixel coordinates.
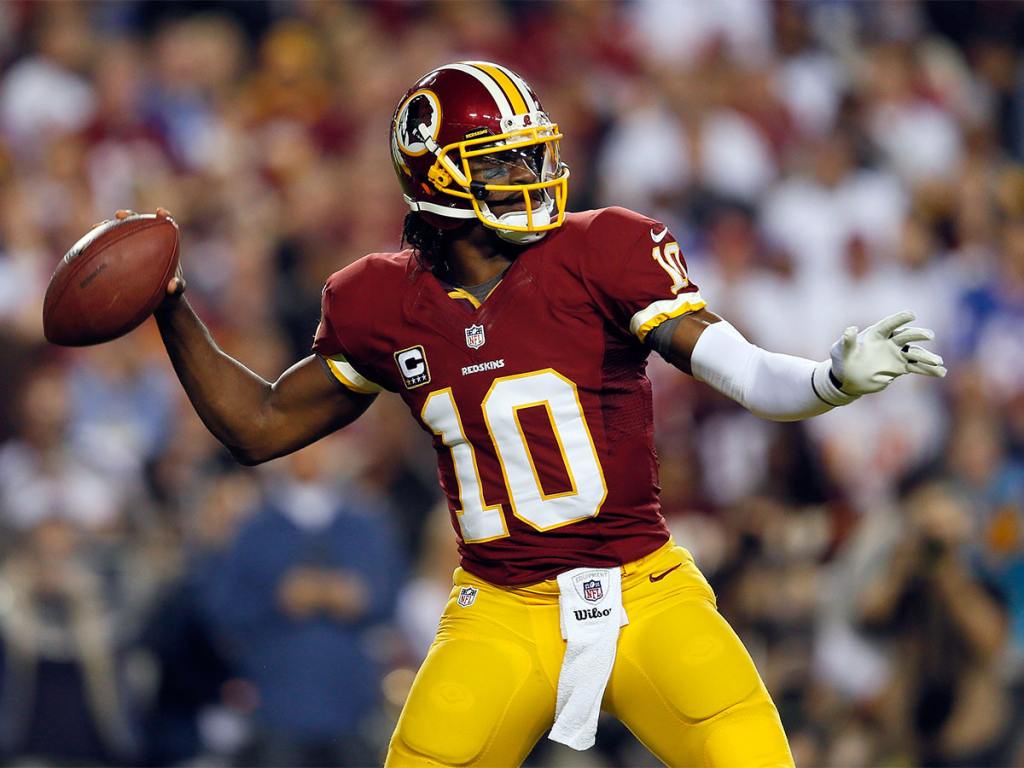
(488, 82)
(511, 91)
(531, 103)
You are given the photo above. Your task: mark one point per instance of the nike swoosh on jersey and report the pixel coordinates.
(660, 236)
(658, 577)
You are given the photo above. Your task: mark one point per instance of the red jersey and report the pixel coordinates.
(537, 399)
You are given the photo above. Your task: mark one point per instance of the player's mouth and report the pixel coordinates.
(515, 202)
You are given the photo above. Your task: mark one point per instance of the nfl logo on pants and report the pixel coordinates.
(467, 596)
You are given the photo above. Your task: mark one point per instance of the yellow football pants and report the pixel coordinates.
(682, 683)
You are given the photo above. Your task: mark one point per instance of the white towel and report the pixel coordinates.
(590, 602)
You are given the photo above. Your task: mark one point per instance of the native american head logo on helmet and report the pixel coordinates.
(470, 140)
(417, 121)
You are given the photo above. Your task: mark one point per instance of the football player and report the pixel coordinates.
(517, 334)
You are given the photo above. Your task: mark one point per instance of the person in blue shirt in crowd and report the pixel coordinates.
(309, 573)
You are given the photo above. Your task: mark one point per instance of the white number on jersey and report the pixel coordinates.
(501, 405)
(671, 260)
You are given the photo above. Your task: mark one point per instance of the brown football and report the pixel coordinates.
(111, 280)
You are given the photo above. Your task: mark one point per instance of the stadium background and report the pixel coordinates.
(823, 163)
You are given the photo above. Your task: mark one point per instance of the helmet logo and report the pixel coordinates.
(420, 109)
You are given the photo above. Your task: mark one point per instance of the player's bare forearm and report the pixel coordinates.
(255, 419)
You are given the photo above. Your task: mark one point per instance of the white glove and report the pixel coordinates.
(868, 361)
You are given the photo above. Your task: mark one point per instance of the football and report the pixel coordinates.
(111, 280)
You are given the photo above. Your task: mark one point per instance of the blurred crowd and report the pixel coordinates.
(823, 163)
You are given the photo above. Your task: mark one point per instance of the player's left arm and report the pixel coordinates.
(788, 388)
(639, 279)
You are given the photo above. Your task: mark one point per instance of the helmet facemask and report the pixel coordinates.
(521, 164)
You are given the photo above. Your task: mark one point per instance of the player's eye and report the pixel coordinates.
(494, 171)
(490, 168)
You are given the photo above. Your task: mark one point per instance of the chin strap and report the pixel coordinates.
(440, 210)
(519, 219)
(515, 218)
(519, 238)
(541, 217)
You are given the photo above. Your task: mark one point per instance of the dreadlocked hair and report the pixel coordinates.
(428, 243)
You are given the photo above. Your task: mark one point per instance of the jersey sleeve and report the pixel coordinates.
(342, 327)
(637, 273)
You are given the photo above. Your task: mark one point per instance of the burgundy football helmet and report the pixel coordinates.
(471, 134)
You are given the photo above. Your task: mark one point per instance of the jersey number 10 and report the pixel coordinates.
(501, 405)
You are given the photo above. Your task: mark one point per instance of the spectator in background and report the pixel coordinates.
(309, 573)
(993, 315)
(949, 628)
(195, 667)
(835, 219)
(64, 693)
(121, 410)
(22, 254)
(47, 93)
(196, 62)
(39, 473)
(920, 137)
(424, 596)
(978, 464)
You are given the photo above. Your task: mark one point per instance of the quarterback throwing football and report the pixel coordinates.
(517, 334)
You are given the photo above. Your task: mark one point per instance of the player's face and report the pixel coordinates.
(519, 166)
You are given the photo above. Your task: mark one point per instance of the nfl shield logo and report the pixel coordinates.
(475, 336)
(467, 596)
(592, 590)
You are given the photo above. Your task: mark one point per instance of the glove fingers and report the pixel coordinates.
(912, 353)
(886, 377)
(850, 338)
(908, 335)
(937, 371)
(887, 325)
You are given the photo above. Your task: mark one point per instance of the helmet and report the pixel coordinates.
(475, 117)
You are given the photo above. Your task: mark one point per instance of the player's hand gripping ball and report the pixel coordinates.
(112, 279)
